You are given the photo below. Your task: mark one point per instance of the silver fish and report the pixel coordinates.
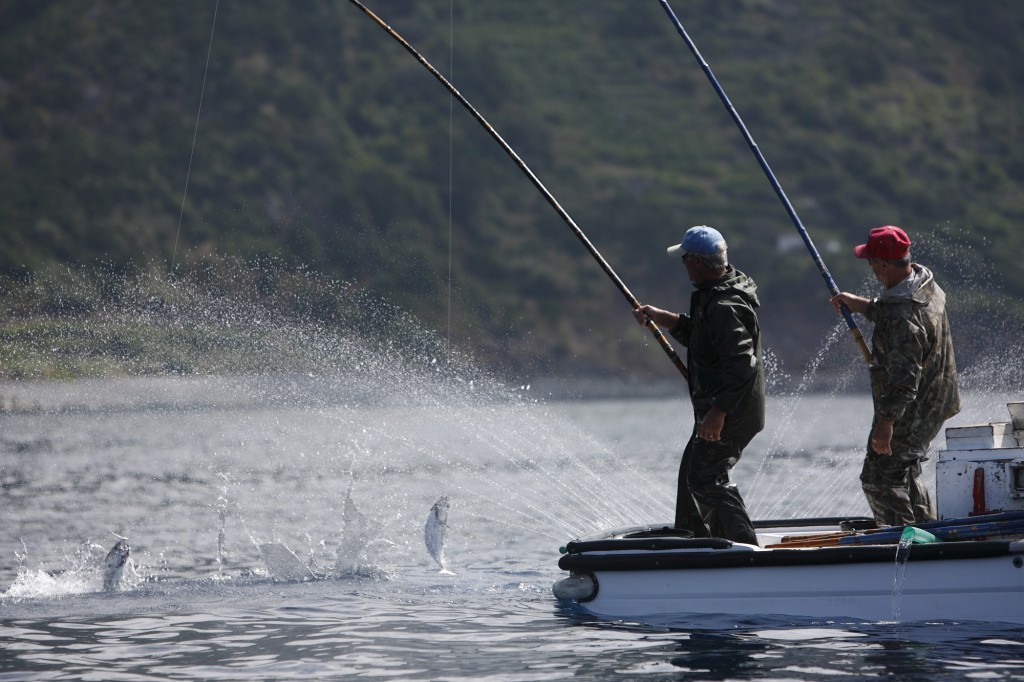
(113, 565)
(351, 556)
(284, 564)
(435, 531)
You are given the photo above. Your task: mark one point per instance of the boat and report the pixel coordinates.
(968, 565)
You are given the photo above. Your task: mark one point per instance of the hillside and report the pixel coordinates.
(323, 146)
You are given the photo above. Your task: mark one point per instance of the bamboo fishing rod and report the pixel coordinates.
(655, 330)
(858, 338)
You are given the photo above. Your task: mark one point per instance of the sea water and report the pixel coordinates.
(197, 472)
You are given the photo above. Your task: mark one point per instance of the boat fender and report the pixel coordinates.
(1017, 549)
(579, 587)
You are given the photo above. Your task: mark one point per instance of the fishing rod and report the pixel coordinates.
(655, 330)
(854, 329)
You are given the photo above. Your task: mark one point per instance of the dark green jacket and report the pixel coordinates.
(913, 371)
(723, 341)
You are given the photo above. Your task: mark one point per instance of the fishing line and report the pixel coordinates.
(195, 134)
(451, 163)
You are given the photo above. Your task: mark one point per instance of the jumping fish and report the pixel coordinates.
(284, 564)
(435, 531)
(113, 565)
(350, 557)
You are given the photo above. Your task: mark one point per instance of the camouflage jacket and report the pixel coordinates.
(913, 371)
(723, 341)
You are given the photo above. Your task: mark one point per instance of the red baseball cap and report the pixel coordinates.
(888, 243)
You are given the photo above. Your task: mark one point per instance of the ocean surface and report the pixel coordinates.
(197, 473)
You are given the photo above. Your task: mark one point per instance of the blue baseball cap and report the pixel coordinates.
(699, 239)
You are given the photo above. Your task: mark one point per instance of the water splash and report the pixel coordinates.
(82, 572)
(266, 394)
(902, 557)
(910, 536)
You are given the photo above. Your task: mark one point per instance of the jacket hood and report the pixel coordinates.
(920, 287)
(734, 282)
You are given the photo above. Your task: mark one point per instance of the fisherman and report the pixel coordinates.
(913, 376)
(726, 382)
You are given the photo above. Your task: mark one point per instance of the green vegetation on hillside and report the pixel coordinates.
(323, 146)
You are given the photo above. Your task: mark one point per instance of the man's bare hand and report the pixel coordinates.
(662, 318)
(710, 428)
(856, 304)
(881, 437)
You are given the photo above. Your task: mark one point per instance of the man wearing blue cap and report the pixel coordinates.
(726, 381)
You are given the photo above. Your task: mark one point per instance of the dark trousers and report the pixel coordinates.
(707, 503)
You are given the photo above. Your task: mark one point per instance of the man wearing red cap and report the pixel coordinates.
(913, 376)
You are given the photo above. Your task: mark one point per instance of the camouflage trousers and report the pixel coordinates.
(892, 484)
(707, 503)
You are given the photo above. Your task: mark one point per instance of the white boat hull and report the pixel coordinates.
(987, 589)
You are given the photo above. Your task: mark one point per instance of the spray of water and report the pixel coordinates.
(316, 388)
(83, 573)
